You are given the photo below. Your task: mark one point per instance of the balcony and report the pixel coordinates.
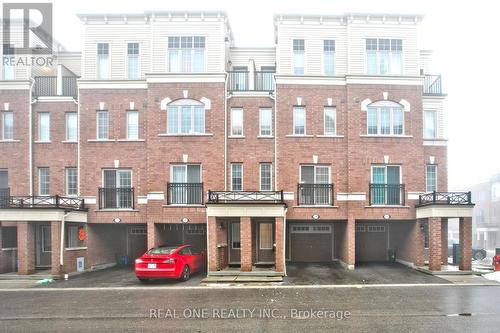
(53, 201)
(50, 86)
(116, 198)
(185, 193)
(387, 195)
(432, 85)
(246, 81)
(315, 194)
(237, 197)
(445, 198)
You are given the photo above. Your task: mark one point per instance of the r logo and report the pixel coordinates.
(27, 28)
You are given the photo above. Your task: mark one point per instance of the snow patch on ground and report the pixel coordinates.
(493, 276)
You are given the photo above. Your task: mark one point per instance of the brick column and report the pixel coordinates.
(465, 237)
(212, 244)
(55, 231)
(246, 243)
(280, 242)
(350, 236)
(419, 243)
(152, 235)
(435, 243)
(26, 248)
(444, 240)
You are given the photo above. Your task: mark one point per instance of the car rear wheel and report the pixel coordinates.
(185, 273)
(479, 255)
(143, 280)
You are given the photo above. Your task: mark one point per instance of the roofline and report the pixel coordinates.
(347, 15)
(151, 13)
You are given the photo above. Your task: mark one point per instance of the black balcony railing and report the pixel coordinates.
(315, 194)
(432, 85)
(185, 193)
(387, 194)
(47, 86)
(215, 197)
(445, 198)
(49, 201)
(116, 198)
(238, 80)
(264, 81)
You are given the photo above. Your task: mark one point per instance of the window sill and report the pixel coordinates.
(75, 248)
(315, 206)
(181, 135)
(9, 249)
(184, 206)
(236, 137)
(10, 141)
(131, 140)
(329, 136)
(434, 139)
(299, 136)
(116, 210)
(65, 141)
(101, 140)
(387, 206)
(42, 141)
(385, 136)
(265, 136)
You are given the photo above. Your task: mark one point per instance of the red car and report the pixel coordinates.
(177, 262)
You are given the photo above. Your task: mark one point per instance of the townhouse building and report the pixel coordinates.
(486, 219)
(329, 146)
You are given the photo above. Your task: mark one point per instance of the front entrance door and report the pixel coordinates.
(234, 247)
(265, 243)
(43, 246)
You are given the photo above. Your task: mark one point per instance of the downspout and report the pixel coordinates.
(77, 102)
(275, 98)
(30, 137)
(225, 131)
(284, 241)
(61, 253)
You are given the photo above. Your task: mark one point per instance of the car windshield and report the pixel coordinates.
(163, 250)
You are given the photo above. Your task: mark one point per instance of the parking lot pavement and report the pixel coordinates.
(118, 277)
(364, 273)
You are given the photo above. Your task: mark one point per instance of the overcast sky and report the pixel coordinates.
(461, 33)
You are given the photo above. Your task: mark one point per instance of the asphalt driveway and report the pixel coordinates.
(118, 277)
(365, 273)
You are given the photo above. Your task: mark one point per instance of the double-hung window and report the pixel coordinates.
(133, 61)
(44, 127)
(132, 125)
(430, 124)
(430, 178)
(43, 181)
(236, 177)
(265, 122)
(330, 120)
(299, 120)
(186, 54)
(102, 125)
(7, 125)
(384, 56)
(266, 177)
(385, 118)
(329, 57)
(186, 187)
(117, 189)
(314, 187)
(71, 126)
(186, 117)
(102, 61)
(71, 181)
(298, 56)
(237, 122)
(8, 68)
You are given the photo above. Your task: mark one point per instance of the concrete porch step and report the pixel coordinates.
(241, 279)
(239, 273)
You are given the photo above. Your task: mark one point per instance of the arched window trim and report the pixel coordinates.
(385, 118)
(185, 101)
(186, 116)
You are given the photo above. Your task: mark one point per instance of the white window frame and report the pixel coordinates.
(98, 125)
(72, 243)
(315, 167)
(40, 115)
(117, 177)
(325, 132)
(40, 181)
(270, 110)
(270, 246)
(97, 72)
(179, 49)
(390, 70)
(192, 104)
(378, 106)
(294, 120)
(323, 58)
(434, 112)
(233, 233)
(427, 177)
(67, 181)
(185, 165)
(67, 116)
(270, 175)
(233, 133)
(242, 183)
(385, 172)
(11, 69)
(129, 112)
(303, 55)
(4, 127)
(138, 60)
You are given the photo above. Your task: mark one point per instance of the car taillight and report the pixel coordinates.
(138, 261)
(169, 261)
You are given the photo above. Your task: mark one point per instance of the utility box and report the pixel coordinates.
(497, 251)
(456, 254)
(80, 264)
(391, 254)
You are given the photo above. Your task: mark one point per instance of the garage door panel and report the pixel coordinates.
(371, 242)
(311, 243)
